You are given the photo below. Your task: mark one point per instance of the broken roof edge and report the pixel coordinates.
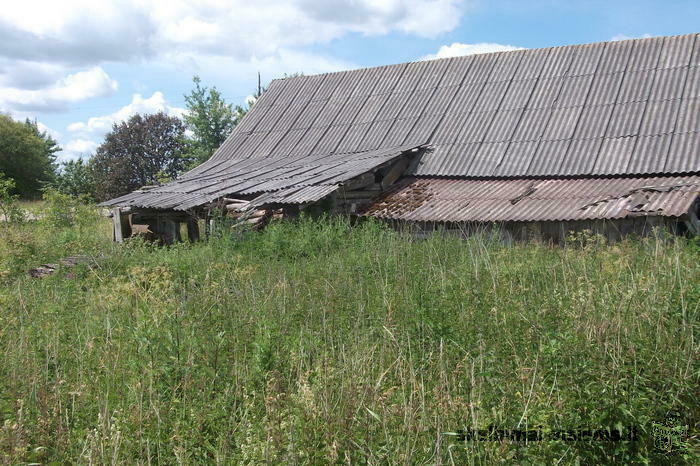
(172, 199)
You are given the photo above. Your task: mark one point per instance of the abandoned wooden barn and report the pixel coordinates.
(603, 136)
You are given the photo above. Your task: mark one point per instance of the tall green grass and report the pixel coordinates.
(313, 342)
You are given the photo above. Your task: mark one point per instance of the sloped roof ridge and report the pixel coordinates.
(503, 52)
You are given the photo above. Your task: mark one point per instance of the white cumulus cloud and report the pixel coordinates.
(76, 149)
(458, 49)
(81, 146)
(94, 82)
(100, 125)
(44, 40)
(84, 31)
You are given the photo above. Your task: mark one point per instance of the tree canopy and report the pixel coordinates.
(210, 119)
(144, 150)
(75, 178)
(26, 156)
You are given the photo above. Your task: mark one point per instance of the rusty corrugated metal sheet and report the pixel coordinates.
(536, 200)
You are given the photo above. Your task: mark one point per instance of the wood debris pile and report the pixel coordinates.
(241, 211)
(44, 270)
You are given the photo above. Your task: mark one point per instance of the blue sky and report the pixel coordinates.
(78, 66)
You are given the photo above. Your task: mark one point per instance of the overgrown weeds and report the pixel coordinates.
(10, 212)
(62, 226)
(313, 342)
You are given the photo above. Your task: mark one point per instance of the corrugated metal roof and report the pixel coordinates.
(536, 200)
(623, 89)
(294, 195)
(284, 176)
(608, 109)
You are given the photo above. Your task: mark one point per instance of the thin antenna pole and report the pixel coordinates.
(259, 89)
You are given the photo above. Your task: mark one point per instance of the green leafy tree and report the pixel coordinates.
(50, 144)
(75, 178)
(26, 156)
(145, 150)
(210, 119)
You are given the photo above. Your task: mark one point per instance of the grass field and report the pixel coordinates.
(313, 343)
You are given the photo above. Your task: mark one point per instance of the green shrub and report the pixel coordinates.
(10, 212)
(64, 226)
(63, 210)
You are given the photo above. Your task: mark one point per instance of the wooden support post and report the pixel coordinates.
(193, 229)
(117, 235)
(121, 225)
